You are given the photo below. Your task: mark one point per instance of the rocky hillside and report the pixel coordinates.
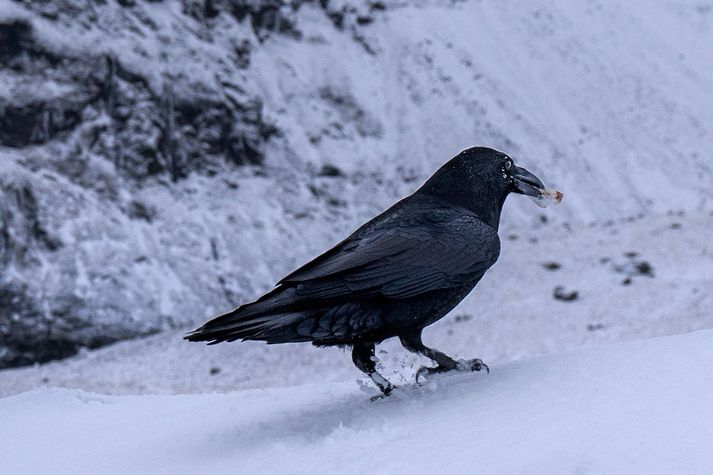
(162, 160)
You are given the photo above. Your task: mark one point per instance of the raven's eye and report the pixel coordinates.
(506, 168)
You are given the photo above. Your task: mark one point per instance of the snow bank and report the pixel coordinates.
(641, 407)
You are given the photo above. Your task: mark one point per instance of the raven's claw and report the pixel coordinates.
(385, 392)
(475, 364)
(426, 370)
(463, 365)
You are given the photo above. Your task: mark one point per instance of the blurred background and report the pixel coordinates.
(164, 161)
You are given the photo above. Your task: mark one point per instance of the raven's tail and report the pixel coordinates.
(273, 318)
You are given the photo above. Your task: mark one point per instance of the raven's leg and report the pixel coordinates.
(444, 362)
(414, 344)
(364, 358)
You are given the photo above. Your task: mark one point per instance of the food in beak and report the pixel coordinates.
(547, 198)
(528, 184)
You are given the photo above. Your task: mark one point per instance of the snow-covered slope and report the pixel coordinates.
(161, 161)
(640, 407)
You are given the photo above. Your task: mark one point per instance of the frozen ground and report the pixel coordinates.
(639, 407)
(510, 316)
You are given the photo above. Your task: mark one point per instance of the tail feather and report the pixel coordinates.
(272, 318)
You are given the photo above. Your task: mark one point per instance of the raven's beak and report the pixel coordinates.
(526, 183)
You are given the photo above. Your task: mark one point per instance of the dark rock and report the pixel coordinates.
(138, 210)
(188, 119)
(37, 122)
(15, 37)
(242, 54)
(268, 16)
(566, 296)
(634, 266)
(336, 202)
(644, 268)
(351, 112)
(30, 332)
(211, 11)
(337, 18)
(22, 228)
(330, 171)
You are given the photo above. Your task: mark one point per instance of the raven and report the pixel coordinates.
(396, 274)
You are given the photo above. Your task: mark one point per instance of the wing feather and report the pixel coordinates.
(410, 251)
(436, 249)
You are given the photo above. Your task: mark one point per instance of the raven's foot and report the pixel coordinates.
(384, 394)
(476, 364)
(383, 384)
(461, 365)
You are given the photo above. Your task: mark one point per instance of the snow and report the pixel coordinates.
(639, 407)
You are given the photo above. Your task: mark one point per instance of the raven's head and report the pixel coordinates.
(480, 179)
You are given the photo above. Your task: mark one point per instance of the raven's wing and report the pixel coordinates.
(400, 254)
(432, 249)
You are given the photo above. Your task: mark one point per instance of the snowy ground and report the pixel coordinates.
(511, 315)
(641, 407)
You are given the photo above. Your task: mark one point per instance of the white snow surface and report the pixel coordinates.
(639, 407)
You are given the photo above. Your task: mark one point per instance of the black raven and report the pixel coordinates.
(395, 275)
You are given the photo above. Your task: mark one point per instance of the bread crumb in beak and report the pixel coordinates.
(548, 197)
